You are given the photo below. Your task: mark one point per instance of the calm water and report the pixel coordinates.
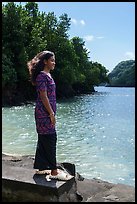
(95, 132)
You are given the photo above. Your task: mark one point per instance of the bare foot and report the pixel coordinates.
(56, 172)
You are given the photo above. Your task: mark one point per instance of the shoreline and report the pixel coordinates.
(32, 156)
(88, 190)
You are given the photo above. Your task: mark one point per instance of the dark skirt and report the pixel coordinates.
(45, 157)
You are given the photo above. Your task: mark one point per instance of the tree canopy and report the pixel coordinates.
(123, 74)
(27, 31)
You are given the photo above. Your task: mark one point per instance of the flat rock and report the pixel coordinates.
(88, 190)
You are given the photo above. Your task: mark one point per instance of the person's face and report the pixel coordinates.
(50, 63)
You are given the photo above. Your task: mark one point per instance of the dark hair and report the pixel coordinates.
(37, 64)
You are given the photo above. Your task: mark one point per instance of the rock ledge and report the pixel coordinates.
(78, 189)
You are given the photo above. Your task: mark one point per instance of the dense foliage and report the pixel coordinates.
(123, 74)
(25, 32)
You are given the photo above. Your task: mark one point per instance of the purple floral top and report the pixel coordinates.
(42, 118)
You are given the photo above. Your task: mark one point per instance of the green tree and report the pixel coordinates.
(26, 32)
(13, 39)
(32, 25)
(98, 73)
(123, 74)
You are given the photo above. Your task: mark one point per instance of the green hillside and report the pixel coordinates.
(123, 75)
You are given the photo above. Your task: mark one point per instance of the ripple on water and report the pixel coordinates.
(95, 132)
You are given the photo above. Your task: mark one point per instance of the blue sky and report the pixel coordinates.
(108, 28)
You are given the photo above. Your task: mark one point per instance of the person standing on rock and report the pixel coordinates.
(45, 110)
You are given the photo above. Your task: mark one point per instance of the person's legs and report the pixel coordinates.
(45, 157)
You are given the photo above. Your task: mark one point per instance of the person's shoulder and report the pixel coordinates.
(41, 76)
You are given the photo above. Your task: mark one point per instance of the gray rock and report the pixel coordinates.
(85, 190)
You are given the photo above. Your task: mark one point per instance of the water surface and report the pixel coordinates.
(96, 132)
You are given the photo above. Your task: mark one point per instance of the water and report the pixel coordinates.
(95, 132)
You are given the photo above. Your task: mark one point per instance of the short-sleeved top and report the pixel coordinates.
(43, 122)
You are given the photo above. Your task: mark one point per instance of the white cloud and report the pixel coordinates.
(100, 37)
(76, 22)
(82, 22)
(89, 37)
(130, 55)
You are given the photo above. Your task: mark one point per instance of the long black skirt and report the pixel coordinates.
(45, 156)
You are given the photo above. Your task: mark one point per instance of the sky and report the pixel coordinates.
(108, 28)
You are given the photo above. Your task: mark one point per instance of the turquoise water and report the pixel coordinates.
(95, 132)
